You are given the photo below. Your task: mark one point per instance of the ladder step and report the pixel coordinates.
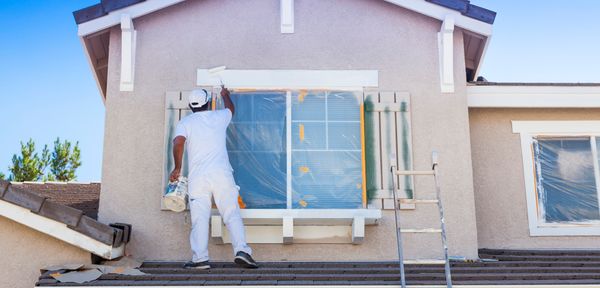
(414, 172)
(426, 230)
(425, 261)
(419, 201)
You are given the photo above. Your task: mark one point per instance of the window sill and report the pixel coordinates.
(574, 229)
(300, 225)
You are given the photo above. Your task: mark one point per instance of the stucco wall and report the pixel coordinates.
(499, 182)
(335, 34)
(24, 251)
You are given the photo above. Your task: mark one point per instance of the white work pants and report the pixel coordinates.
(221, 185)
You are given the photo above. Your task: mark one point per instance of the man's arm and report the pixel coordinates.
(227, 100)
(178, 146)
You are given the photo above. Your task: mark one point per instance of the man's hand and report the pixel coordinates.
(175, 175)
(227, 100)
(224, 91)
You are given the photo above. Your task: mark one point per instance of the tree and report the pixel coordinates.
(64, 161)
(29, 166)
(2, 176)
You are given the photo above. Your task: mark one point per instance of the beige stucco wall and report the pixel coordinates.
(335, 34)
(23, 251)
(499, 182)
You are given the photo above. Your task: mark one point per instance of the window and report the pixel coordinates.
(561, 165)
(316, 165)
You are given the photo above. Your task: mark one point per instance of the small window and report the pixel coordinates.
(562, 176)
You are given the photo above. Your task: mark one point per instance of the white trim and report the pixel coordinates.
(446, 55)
(533, 96)
(58, 230)
(287, 16)
(114, 18)
(419, 6)
(565, 128)
(128, 43)
(528, 130)
(288, 138)
(291, 79)
(440, 13)
(287, 226)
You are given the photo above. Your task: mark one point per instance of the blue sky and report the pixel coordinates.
(48, 91)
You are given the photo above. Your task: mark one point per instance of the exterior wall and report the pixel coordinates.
(499, 182)
(24, 251)
(336, 34)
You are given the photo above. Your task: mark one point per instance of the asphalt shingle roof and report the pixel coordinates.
(515, 267)
(107, 6)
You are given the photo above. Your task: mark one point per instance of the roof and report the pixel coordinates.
(107, 6)
(81, 196)
(500, 267)
(43, 208)
(559, 84)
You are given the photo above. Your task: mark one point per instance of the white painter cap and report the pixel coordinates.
(198, 98)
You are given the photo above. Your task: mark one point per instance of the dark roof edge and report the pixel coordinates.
(101, 9)
(467, 9)
(564, 84)
(107, 6)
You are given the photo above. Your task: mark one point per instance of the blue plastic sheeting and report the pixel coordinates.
(326, 157)
(566, 181)
(257, 149)
(325, 144)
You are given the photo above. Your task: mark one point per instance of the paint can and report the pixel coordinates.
(175, 196)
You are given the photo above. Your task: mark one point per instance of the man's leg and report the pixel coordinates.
(200, 206)
(226, 197)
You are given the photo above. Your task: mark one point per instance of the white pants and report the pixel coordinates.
(221, 186)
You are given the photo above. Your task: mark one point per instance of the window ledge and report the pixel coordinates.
(572, 229)
(288, 226)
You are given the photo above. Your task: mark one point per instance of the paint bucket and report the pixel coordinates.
(175, 196)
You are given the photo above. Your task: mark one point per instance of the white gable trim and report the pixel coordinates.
(128, 42)
(440, 13)
(58, 230)
(114, 18)
(419, 6)
(533, 96)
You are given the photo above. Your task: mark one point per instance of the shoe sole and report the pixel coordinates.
(205, 267)
(244, 263)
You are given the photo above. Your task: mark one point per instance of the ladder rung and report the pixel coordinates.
(419, 201)
(414, 172)
(425, 261)
(426, 230)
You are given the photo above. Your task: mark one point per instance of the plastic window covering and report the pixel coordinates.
(326, 167)
(566, 179)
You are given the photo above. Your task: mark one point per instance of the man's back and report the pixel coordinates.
(205, 134)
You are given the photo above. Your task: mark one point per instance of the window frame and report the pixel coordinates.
(530, 129)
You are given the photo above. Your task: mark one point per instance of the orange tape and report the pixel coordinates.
(301, 126)
(302, 95)
(241, 202)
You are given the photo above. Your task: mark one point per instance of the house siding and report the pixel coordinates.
(501, 206)
(336, 34)
(37, 251)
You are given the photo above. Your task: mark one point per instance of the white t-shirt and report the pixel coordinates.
(205, 133)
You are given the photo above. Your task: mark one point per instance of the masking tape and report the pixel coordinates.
(301, 132)
(304, 169)
(301, 96)
(303, 203)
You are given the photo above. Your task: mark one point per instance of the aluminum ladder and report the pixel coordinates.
(433, 172)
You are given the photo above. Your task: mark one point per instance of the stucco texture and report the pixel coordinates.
(24, 251)
(499, 180)
(334, 34)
